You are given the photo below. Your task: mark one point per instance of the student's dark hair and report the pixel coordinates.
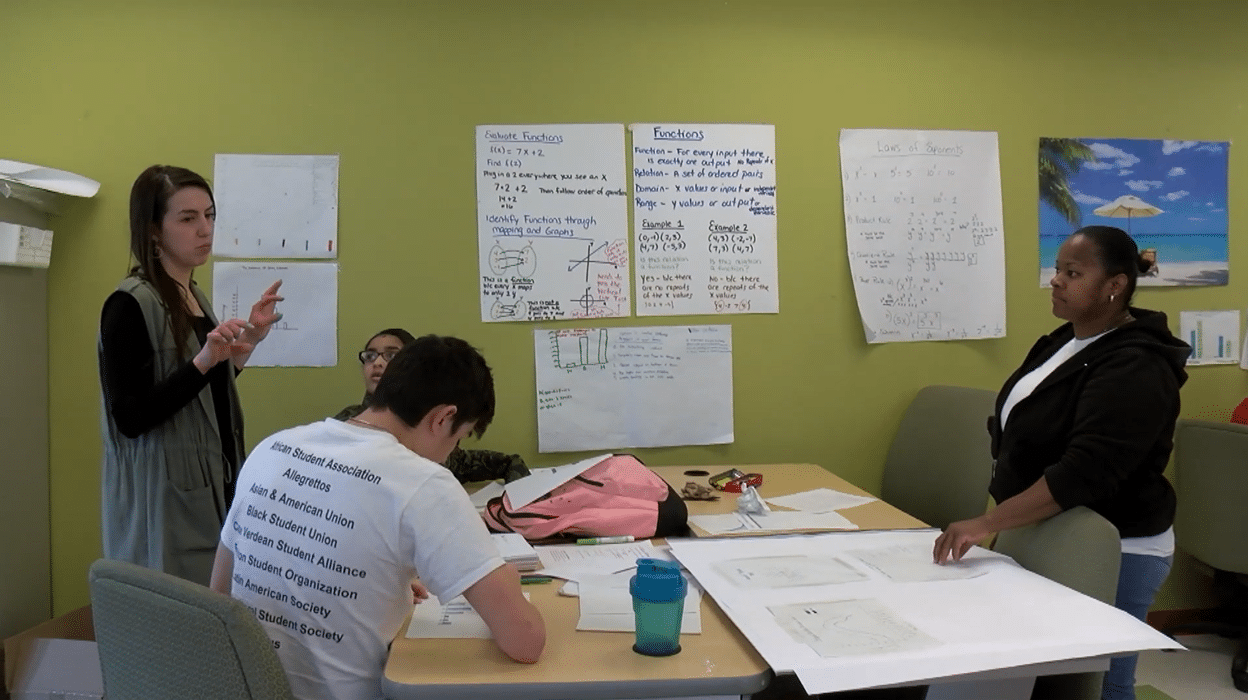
(1118, 254)
(435, 370)
(149, 202)
(404, 337)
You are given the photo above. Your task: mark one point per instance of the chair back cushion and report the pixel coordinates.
(161, 636)
(940, 461)
(1079, 549)
(1211, 478)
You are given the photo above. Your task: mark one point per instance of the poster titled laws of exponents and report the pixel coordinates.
(704, 218)
(924, 233)
(552, 221)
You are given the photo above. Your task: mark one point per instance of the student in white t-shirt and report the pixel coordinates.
(334, 521)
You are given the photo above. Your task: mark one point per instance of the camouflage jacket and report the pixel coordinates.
(467, 465)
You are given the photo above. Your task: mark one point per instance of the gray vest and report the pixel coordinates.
(163, 493)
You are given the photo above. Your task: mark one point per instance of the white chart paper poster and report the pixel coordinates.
(276, 206)
(704, 218)
(658, 386)
(552, 222)
(306, 335)
(1212, 335)
(923, 227)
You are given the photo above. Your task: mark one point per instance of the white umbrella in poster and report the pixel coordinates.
(1128, 207)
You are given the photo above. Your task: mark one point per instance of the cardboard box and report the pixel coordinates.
(53, 660)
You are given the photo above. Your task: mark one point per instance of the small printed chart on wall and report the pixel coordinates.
(704, 219)
(307, 333)
(923, 227)
(657, 386)
(552, 222)
(276, 206)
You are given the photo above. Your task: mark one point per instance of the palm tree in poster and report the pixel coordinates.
(1059, 159)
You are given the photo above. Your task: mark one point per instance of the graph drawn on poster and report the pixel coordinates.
(605, 388)
(276, 206)
(307, 333)
(923, 227)
(552, 222)
(704, 218)
(849, 627)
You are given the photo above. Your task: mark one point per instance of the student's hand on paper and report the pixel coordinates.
(419, 593)
(222, 343)
(958, 538)
(263, 315)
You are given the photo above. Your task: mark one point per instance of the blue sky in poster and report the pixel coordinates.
(1185, 179)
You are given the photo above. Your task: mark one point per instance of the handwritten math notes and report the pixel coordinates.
(923, 227)
(552, 222)
(704, 222)
(658, 386)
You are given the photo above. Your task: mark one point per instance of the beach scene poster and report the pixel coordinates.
(1171, 196)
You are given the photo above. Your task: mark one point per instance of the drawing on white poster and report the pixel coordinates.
(276, 206)
(306, 335)
(607, 388)
(552, 222)
(849, 627)
(786, 571)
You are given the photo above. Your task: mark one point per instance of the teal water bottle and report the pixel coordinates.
(658, 592)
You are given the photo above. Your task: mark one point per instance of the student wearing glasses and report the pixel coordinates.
(466, 465)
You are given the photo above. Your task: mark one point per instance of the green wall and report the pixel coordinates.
(107, 87)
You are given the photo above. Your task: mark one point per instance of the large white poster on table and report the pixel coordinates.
(608, 388)
(704, 218)
(552, 222)
(307, 333)
(276, 206)
(865, 609)
(923, 228)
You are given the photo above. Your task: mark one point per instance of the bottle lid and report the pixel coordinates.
(658, 581)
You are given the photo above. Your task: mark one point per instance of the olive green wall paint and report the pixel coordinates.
(107, 87)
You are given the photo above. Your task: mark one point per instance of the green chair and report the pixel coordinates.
(1211, 477)
(1079, 549)
(163, 637)
(940, 462)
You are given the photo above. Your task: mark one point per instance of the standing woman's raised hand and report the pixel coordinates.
(263, 315)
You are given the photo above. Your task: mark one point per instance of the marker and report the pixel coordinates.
(526, 580)
(617, 539)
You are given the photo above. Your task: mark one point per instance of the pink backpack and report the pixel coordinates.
(617, 496)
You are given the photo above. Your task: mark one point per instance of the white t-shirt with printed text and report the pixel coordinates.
(330, 523)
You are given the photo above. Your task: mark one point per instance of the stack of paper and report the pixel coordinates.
(517, 550)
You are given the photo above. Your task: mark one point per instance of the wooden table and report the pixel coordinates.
(784, 479)
(717, 662)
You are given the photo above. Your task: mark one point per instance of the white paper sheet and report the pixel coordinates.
(590, 562)
(820, 500)
(276, 206)
(456, 619)
(704, 218)
(24, 246)
(482, 496)
(978, 623)
(923, 227)
(524, 491)
(609, 608)
(657, 386)
(552, 222)
(738, 523)
(1212, 335)
(306, 335)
